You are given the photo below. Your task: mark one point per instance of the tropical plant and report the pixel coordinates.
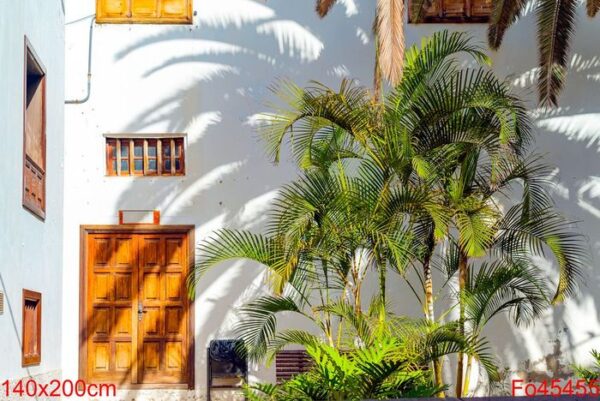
(556, 26)
(432, 175)
(379, 372)
(388, 29)
(592, 373)
(458, 135)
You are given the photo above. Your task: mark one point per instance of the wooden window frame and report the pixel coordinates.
(453, 19)
(32, 359)
(174, 142)
(102, 18)
(28, 163)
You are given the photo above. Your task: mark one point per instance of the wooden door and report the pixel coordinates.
(137, 313)
(162, 334)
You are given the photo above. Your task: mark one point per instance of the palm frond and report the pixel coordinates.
(556, 25)
(592, 6)
(542, 231)
(504, 14)
(324, 6)
(227, 244)
(513, 287)
(257, 327)
(390, 36)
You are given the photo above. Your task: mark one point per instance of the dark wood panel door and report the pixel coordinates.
(137, 309)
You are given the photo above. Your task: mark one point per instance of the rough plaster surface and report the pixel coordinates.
(31, 250)
(210, 79)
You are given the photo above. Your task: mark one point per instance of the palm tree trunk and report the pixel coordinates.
(462, 281)
(382, 290)
(429, 311)
(467, 376)
(377, 76)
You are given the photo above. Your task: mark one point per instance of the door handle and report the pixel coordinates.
(140, 311)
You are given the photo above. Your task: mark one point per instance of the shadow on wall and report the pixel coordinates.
(569, 139)
(235, 52)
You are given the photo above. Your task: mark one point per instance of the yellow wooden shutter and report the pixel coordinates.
(144, 9)
(176, 9)
(111, 9)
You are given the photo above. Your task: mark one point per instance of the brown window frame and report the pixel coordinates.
(466, 18)
(32, 358)
(104, 18)
(166, 157)
(31, 169)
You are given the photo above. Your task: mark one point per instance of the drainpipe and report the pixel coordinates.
(89, 73)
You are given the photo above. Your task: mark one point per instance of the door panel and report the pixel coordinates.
(111, 304)
(163, 336)
(137, 309)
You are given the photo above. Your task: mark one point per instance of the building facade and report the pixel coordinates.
(158, 127)
(31, 181)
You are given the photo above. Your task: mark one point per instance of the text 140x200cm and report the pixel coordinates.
(56, 388)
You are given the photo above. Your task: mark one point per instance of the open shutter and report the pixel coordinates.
(453, 8)
(144, 9)
(110, 9)
(177, 9)
(481, 8)
(34, 135)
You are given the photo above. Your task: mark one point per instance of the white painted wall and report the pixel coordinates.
(31, 251)
(207, 79)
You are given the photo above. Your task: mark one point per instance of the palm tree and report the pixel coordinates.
(556, 26)
(459, 133)
(388, 29)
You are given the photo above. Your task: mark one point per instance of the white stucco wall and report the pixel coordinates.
(207, 79)
(30, 249)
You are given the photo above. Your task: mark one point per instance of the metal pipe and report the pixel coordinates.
(89, 73)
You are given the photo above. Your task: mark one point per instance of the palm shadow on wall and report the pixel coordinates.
(238, 53)
(237, 49)
(569, 139)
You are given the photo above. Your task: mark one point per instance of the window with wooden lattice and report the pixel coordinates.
(149, 156)
(34, 134)
(455, 11)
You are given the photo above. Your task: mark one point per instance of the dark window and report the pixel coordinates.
(32, 328)
(455, 11)
(34, 134)
(145, 156)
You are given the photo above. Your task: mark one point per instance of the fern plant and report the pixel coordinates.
(378, 372)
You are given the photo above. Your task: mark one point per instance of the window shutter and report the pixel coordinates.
(481, 8)
(31, 347)
(112, 9)
(453, 8)
(434, 11)
(177, 9)
(34, 135)
(144, 8)
(34, 119)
